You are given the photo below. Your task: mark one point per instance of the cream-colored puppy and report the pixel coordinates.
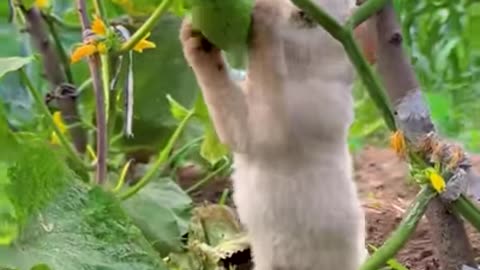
(287, 126)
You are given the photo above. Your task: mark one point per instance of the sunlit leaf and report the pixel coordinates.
(81, 229)
(177, 110)
(212, 149)
(9, 64)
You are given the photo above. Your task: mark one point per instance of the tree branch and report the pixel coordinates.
(413, 119)
(94, 65)
(65, 93)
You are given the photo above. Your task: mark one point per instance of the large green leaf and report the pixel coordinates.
(212, 150)
(35, 177)
(8, 217)
(12, 93)
(82, 229)
(162, 210)
(8, 142)
(63, 223)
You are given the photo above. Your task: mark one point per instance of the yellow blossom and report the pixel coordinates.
(82, 51)
(41, 3)
(98, 26)
(101, 47)
(144, 44)
(397, 142)
(57, 119)
(436, 180)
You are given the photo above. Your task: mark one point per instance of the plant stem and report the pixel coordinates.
(365, 11)
(162, 158)
(68, 26)
(373, 86)
(345, 36)
(207, 178)
(94, 65)
(123, 176)
(224, 196)
(41, 104)
(400, 236)
(147, 26)
(105, 63)
(100, 10)
(60, 50)
(323, 18)
(84, 85)
(112, 115)
(468, 210)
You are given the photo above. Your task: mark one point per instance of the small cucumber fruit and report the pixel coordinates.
(225, 23)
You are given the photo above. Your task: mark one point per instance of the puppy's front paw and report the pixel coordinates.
(198, 51)
(265, 21)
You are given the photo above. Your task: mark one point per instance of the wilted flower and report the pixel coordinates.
(397, 142)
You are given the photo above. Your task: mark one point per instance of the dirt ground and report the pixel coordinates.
(381, 180)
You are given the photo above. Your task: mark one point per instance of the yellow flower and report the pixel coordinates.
(98, 26)
(101, 47)
(57, 119)
(83, 51)
(397, 142)
(41, 3)
(436, 180)
(144, 44)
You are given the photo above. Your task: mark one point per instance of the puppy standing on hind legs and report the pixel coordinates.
(287, 127)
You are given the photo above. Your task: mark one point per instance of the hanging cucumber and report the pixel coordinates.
(225, 23)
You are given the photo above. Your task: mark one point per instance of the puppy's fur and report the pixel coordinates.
(287, 125)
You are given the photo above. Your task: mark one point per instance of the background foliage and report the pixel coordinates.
(445, 50)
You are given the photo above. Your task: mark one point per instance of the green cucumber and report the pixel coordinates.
(225, 23)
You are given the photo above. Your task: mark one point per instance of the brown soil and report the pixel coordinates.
(381, 180)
